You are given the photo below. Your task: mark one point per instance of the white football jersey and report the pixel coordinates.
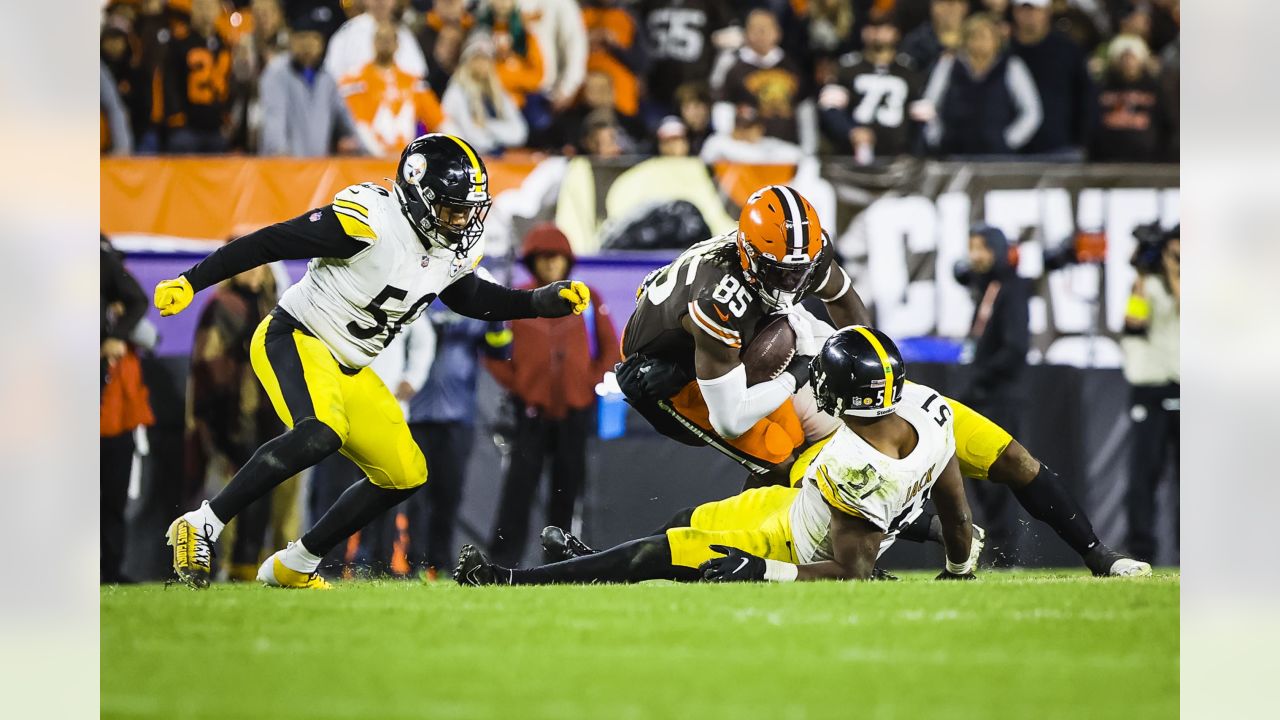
(355, 306)
(851, 476)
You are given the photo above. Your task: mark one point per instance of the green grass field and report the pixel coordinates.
(1020, 645)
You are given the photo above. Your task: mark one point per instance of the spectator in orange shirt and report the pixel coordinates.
(388, 104)
(518, 58)
(197, 83)
(617, 48)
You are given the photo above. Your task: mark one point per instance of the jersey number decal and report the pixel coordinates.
(677, 33)
(944, 411)
(730, 291)
(374, 308)
(883, 99)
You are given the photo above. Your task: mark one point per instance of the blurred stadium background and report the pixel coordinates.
(638, 128)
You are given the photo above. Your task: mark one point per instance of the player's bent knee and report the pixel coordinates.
(318, 437)
(1015, 466)
(412, 475)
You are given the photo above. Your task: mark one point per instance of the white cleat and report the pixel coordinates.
(976, 546)
(1128, 567)
(273, 573)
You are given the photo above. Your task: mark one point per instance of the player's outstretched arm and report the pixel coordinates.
(842, 301)
(733, 407)
(855, 543)
(316, 233)
(478, 298)
(957, 522)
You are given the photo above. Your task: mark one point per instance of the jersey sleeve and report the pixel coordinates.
(715, 319)
(850, 490)
(351, 206)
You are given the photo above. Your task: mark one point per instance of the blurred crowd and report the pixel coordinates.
(747, 81)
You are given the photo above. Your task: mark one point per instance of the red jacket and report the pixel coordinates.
(555, 362)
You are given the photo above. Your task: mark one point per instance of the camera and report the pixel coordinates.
(1151, 240)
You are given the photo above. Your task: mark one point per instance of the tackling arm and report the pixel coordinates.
(855, 543)
(957, 523)
(478, 298)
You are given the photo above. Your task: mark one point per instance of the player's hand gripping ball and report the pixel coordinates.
(736, 566)
(560, 298)
(173, 296)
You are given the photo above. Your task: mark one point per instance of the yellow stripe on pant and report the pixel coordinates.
(757, 521)
(302, 378)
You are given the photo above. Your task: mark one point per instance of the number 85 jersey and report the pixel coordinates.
(357, 305)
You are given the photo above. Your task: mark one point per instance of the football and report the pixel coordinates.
(768, 353)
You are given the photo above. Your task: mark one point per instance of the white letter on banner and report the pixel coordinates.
(1126, 209)
(896, 228)
(955, 305)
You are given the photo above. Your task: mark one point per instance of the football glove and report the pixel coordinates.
(560, 298)
(173, 296)
(736, 566)
(948, 575)
(806, 343)
(645, 378)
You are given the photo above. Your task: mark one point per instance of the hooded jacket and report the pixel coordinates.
(1000, 330)
(556, 362)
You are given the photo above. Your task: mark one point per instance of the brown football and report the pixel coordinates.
(769, 352)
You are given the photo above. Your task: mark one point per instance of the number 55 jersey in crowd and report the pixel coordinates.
(357, 305)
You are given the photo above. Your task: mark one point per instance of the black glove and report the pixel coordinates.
(800, 367)
(645, 378)
(735, 566)
(561, 298)
(948, 575)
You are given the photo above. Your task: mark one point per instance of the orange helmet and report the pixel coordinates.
(779, 240)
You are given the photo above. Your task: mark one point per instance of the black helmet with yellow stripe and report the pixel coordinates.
(859, 372)
(444, 191)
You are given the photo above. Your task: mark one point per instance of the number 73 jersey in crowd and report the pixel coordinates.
(848, 475)
(357, 305)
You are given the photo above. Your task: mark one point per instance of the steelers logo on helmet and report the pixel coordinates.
(780, 241)
(861, 374)
(444, 191)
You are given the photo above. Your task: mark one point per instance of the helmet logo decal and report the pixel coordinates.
(415, 167)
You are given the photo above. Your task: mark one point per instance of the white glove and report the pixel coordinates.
(806, 343)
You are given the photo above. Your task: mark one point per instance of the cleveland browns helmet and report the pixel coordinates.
(780, 242)
(444, 191)
(859, 372)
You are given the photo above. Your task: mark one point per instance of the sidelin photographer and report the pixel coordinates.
(1151, 349)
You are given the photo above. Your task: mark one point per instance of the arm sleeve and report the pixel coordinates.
(1022, 89)
(298, 239)
(124, 289)
(734, 407)
(483, 300)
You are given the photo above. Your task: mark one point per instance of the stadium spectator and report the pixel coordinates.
(443, 32)
(442, 418)
(552, 374)
(942, 34)
(302, 110)
(351, 47)
(562, 36)
(748, 143)
(673, 138)
(150, 32)
(762, 75)
(596, 99)
(618, 48)
(685, 37)
(477, 107)
(1132, 117)
(831, 32)
(986, 99)
(1151, 350)
(116, 135)
(999, 338)
(123, 404)
(517, 57)
(323, 16)
(388, 104)
(872, 107)
(265, 39)
(229, 415)
(1058, 66)
(601, 137)
(197, 80)
(130, 83)
(693, 102)
(1170, 85)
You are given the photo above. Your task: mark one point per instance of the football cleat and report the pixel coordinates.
(1128, 567)
(879, 573)
(274, 573)
(474, 568)
(192, 552)
(1105, 562)
(560, 545)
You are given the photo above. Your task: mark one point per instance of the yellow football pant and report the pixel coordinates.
(757, 521)
(303, 380)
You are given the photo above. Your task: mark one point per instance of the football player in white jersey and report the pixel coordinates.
(378, 259)
(894, 450)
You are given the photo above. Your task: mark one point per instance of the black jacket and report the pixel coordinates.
(1000, 349)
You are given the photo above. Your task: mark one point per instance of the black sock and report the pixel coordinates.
(644, 559)
(357, 505)
(309, 442)
(926, 528)
(1048, 501)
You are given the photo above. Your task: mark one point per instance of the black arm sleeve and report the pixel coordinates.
(120, 286)
(483, 300)
(298, 239)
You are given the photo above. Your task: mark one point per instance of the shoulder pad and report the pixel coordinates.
(352, 204)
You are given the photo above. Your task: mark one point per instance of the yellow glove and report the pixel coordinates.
(173, 296)
(577, 293)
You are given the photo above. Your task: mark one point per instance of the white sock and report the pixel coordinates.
(298, 559)
(202, 516)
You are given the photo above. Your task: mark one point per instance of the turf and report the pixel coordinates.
(1018, 645)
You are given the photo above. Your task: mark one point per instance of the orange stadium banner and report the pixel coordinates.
(213, 198)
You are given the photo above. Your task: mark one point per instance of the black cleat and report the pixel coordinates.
(474, 568)
(1102, 561)
(879, 573)
(559, 545)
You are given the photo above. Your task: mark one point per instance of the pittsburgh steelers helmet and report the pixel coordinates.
(444, 191)
(780, 242)
(859, 372)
